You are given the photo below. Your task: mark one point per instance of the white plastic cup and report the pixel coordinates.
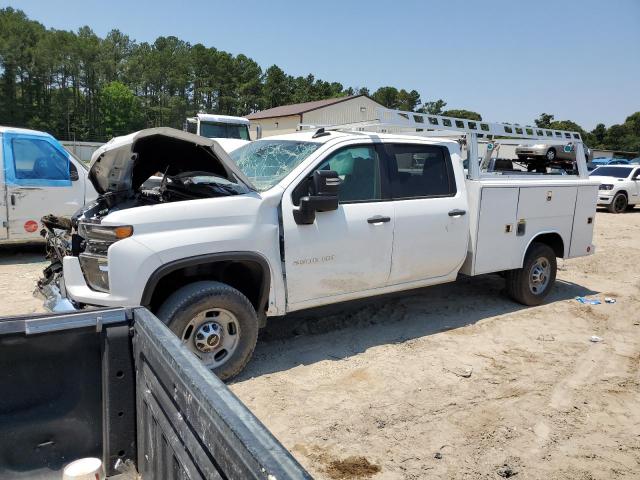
(84, 469)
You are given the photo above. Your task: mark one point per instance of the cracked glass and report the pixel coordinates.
(266, 162)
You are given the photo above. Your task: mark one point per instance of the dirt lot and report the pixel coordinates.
(454, 381)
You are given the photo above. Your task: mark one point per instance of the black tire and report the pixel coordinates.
(518, 281)
(550, 156)
(180, 309)
(619, 203)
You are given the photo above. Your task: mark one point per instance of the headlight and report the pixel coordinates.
(95, 269)
(93, 261)
(104, 233)
(605, 186)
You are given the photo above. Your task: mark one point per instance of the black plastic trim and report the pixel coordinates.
(170, 267)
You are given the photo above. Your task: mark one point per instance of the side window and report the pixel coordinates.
(359, 170)
(37, 159)
(417, 171)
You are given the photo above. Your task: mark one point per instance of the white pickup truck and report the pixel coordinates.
(308, 219)
(619, 186)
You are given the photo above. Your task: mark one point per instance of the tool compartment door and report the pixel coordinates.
(544, 209)
(496, 245)
(583, 221)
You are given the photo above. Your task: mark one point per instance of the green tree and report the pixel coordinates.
(462, 114)
(544, 120)
(387, 96)
(277, 88)
(120, 110)
(433, 108)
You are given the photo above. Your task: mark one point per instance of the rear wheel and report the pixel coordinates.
(216, 322)
(619, 203)
(531, 284)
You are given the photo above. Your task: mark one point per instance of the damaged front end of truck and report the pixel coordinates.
(150, 167)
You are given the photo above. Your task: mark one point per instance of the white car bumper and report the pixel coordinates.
(605, 197)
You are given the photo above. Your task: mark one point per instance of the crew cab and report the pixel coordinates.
(304, 220)
(619, 188)
(37, 176)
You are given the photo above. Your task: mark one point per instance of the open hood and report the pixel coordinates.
(124, 163)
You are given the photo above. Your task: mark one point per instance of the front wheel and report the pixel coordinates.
(216, 322)
(619, 203)
(531, 284)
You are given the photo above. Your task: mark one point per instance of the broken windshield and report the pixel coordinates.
(266, 162)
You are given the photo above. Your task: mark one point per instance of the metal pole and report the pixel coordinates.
(472, 156)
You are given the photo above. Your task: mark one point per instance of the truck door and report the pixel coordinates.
(40, 179)
(346, 250)
(431, 219)
(4, 221)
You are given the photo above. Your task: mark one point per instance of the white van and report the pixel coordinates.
(38, 177)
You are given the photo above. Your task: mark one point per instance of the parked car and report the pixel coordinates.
(40, 177)
(619, 189)
(541, 155)
(282, 226)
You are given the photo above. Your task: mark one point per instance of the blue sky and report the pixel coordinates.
(508, 60)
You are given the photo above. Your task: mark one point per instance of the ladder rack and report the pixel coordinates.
(424, 124)
(424, 121)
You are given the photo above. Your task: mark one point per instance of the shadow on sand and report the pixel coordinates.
(343, 330)
(22, 253)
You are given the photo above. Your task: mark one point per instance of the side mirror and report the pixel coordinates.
(323, 197)
(73, 172)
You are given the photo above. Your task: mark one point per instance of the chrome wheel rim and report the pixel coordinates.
(551, 155)
(212, 336)
(539, 275)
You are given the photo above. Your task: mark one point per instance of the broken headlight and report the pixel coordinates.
(95, 269)
(93, 261)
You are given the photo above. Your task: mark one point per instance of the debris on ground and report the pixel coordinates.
(595, 339)
(437, 456)
(545, 337)
(506, 471)
(588, 301)
(464, 372)
(609, 300)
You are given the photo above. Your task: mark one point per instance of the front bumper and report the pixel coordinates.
(72, 291)
(530, 152)
(604, 199)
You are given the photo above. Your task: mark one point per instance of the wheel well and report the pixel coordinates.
(247, 276)
(551, 148)
(623, 192)
(554, 240)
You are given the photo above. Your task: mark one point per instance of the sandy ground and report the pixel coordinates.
(454, 381)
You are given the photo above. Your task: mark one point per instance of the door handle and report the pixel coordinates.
(378, 219)
(457, 212)
(13, 199)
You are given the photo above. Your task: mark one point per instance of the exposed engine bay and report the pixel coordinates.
(149, 167)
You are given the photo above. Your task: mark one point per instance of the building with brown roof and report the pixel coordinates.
(332, 111)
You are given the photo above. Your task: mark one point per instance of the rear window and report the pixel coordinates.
(418, 171)
(620, 172)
